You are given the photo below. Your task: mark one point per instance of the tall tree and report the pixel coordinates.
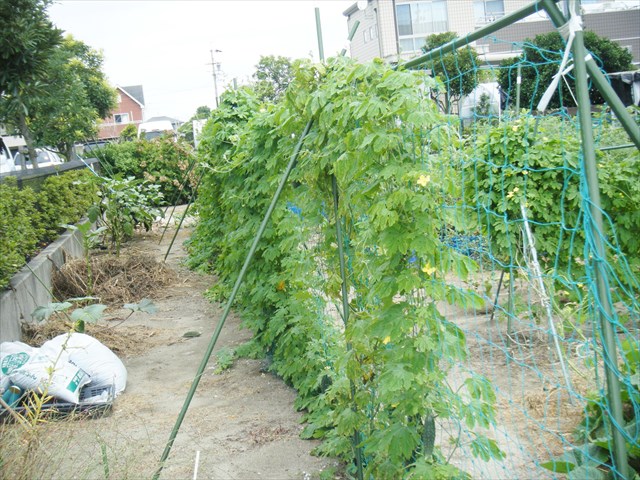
(78, 96)
(541, 58)
(27, 40)
(272, 75)
(456, 70)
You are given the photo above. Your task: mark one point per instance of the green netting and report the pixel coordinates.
(473, 345)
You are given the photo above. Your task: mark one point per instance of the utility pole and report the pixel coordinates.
(215, 77)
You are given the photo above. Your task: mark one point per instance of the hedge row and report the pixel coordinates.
(29, 219)
(162, 161)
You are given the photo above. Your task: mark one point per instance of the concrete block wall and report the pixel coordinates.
(31, 287)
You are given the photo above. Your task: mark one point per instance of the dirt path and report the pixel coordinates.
(241, 421)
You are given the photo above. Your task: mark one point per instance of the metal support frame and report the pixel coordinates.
(601, 292)
(345, 311)
(584, 66)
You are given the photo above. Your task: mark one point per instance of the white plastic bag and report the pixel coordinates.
(12, 356)
(54, 375)
(86, 352)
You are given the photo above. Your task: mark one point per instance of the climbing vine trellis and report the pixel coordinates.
(483, 295)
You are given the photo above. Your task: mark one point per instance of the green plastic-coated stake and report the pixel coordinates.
(234, 292)
(319, 32)
(175, 198)
(599, 80)
(345, 312)
(352, 34)
(184, 215)
(616, 147)
(596, 226)
(518, 82)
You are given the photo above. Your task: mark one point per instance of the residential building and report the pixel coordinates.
(130, 110)
(396, 29)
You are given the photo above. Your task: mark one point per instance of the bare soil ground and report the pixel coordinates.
(241, 421)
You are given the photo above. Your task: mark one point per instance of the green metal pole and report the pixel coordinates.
(345, 313)
(175, 197)
(518, 83)
(596, 226)
(234, 292)
(616, 147)
(599, 80)
(184, 215)
(478, 34)
(319, 32)
(352, 34)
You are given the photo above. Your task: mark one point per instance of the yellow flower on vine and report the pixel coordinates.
(428, 269)
(424, 180)
(513, 192)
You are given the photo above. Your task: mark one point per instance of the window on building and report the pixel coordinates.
(121, 118)
(486, 11)
(418, 20)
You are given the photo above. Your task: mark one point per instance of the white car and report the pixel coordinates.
(6, 161)
(46, 158)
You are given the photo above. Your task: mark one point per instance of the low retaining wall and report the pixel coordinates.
(31, 286)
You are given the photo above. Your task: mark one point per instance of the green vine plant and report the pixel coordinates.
(380, 384)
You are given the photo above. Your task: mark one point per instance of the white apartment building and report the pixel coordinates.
(396, 29)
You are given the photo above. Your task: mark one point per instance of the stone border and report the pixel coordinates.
(31, 286)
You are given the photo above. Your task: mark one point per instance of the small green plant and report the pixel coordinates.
(126, 205)
(224, 359)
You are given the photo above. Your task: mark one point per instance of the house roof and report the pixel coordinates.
(135, 92)
(157, 119)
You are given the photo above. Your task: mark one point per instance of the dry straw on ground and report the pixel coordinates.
(115, 280)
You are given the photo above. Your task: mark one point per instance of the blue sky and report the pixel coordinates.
(165, 45)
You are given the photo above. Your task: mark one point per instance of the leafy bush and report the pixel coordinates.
(161, 161)
(64, 199)
(20, 228)
(29, 220)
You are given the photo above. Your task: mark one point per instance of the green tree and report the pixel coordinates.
(78, 96)
(27, 40)
(129, 133)
(186, 129)
(272, 75)
(456, 70)
(540, 60)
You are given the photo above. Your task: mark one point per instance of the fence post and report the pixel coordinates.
(595, 229)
